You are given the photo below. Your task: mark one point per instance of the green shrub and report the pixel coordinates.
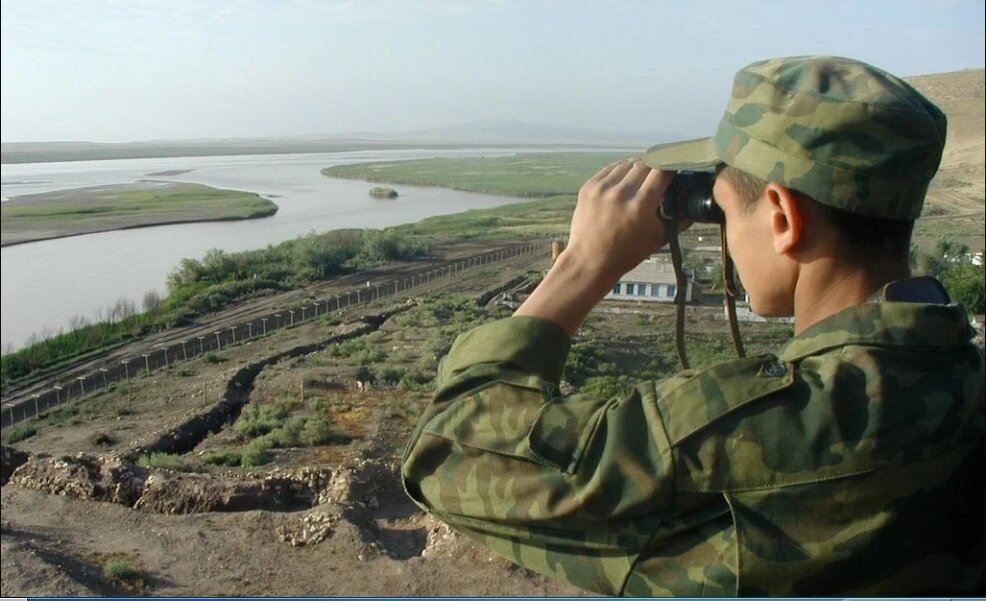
(165, 461)
(257, 452)
(257, 420)
(368, 357)
(19, 433)
(290, 434)
(227, 457)
(212, 357)
(390, 375)
(416, 381)
(317, 430)
(123, 572)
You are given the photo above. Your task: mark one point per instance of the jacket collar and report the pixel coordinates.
(883, 324)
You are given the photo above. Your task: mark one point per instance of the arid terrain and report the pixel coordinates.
(328, 519)
(269, 466)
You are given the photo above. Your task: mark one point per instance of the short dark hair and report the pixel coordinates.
(889, 237)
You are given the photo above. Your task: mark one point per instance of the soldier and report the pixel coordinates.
(849, 462)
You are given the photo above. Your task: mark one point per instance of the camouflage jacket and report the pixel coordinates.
(851, 462)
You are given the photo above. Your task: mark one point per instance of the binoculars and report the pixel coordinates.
(690, 197)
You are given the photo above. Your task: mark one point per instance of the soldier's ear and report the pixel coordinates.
(787, 217)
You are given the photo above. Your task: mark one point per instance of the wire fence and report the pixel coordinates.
(165, 355)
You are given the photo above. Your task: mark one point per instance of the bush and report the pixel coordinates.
(416, 381)
(257, 452)
(164, 461)
(227, 457)
(19, 433)
(123, 572)
(212, 357)
(257, 420)
(290, 434)
(390, 375)
(317, 431)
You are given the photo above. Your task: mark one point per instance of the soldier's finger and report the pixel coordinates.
(654, 186)
(605, 171)
(637, 174)
(617, 173)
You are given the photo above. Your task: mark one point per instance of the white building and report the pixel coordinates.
(652, 280)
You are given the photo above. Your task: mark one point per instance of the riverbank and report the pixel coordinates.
(534, 175)
(144, 203)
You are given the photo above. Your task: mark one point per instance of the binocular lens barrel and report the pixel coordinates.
(690, 197)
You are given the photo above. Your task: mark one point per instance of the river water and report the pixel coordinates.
(44, 285)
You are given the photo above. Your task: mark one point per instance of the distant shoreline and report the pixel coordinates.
(14, 153)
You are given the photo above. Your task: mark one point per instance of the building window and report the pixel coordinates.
(630, 288)
(641, 289)
(617, 289)
(672, 289)
(655, 290)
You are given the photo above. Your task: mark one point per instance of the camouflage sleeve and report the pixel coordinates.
(571, 486)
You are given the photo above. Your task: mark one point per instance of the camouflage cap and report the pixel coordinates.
(838, 130)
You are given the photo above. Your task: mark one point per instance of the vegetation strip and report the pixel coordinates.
(124, 206)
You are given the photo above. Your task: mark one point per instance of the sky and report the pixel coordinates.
(129, 70)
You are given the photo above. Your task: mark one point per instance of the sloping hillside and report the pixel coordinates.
(958, 188)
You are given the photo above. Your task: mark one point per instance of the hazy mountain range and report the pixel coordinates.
(475, 133)
(511, 131)
(959, 93)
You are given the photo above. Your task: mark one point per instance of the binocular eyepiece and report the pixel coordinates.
(690, 197)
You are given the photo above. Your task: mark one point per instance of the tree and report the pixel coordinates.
(966, 284)
(946, 254)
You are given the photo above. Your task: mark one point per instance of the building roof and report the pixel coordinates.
(655, 270)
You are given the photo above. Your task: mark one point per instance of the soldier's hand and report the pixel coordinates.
(615, 225)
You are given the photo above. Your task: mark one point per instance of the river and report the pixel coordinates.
(45, 285)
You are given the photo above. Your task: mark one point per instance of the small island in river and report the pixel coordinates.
(145, 203)
(384, 193)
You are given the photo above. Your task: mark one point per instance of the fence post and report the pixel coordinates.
(126, 372)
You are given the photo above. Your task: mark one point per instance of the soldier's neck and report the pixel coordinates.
(826, 287)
